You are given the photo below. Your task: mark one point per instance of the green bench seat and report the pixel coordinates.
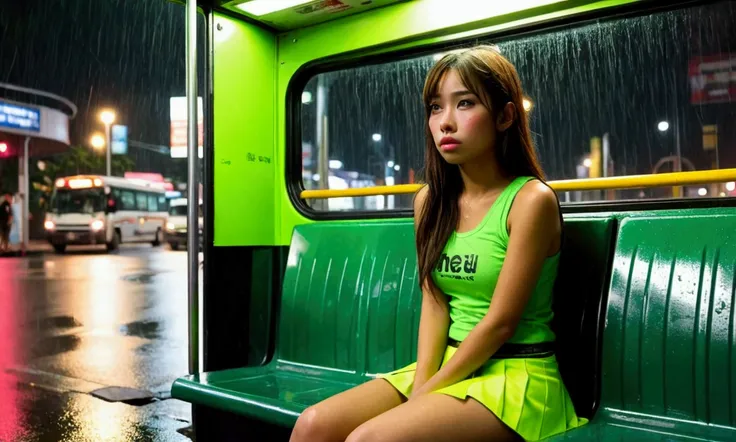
(644, 309)
(669, 353)
(350, 309)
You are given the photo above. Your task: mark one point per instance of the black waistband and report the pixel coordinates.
(509, 350)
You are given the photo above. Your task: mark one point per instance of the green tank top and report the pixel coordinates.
(468, 271)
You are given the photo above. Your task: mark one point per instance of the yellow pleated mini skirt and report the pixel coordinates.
(527, 394)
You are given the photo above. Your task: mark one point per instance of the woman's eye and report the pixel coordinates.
(434, 107)
(465, 103)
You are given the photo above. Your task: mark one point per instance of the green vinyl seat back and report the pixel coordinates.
(350, 299)
(668, 367)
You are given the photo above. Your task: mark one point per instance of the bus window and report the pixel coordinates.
(78, 201)
(628, 96)
(127, 199)
(141, 201)
(180, 210)
(152, 203)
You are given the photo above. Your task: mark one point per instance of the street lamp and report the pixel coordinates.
(107, 117)
(97, 141)
(663, 126)
(527, 103)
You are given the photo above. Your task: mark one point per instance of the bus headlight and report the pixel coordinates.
(97, 225)
(49, 225)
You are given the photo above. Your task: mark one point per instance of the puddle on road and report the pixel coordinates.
(140, 278)
(141, 329)
(55, 345)
(59, 322)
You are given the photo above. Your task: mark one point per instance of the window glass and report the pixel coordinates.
(152, 203)
(127, 199)
(141, 201)
(637, 95)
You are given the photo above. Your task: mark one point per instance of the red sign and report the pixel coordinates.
(712, 79)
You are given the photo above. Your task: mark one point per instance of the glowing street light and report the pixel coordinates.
(587, 163)
(107, 117)
(377, 137)
(97, 141)
(663, 126)
(528, 104)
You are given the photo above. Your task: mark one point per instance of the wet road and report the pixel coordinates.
(73, 325)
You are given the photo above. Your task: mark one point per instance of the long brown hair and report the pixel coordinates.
(490, 76)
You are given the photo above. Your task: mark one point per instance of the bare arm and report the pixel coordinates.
(535, 234)
(434, 321)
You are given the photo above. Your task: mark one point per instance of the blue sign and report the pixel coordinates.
(119, 140)
(18, 117)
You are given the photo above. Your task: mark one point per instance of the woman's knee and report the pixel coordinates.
(367, 433)
(311, 425)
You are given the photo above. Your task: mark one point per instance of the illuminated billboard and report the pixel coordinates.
(178, 116)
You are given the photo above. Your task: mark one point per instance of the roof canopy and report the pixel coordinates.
(47, 127)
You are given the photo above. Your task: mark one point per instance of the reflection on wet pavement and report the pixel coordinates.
(73, 323)
(47, 416)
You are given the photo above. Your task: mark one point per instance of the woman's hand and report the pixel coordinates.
(416, 388)
(416, 392)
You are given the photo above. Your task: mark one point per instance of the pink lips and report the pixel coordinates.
(449, 144)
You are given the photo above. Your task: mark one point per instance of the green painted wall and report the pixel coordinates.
(246, 167)
(242, 94)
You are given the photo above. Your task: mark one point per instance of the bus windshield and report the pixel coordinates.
(178, 211)
(181, 210)
(78, 201)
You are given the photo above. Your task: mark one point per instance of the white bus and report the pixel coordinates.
(176, 227)
(92, 209)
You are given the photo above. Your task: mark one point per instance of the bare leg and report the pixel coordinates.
(334, 418)
(435, 417)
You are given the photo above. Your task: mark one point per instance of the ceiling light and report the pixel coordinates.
(263, 7)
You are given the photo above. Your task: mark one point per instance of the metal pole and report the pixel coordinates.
(606, 147)
(25, 198)
(678, 167)
(192, 188)
(108, 148)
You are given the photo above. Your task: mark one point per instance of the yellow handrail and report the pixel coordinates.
(623, 182)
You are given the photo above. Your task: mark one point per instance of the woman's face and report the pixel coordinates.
(462, 128)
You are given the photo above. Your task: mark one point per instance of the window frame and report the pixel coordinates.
(367, 56)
